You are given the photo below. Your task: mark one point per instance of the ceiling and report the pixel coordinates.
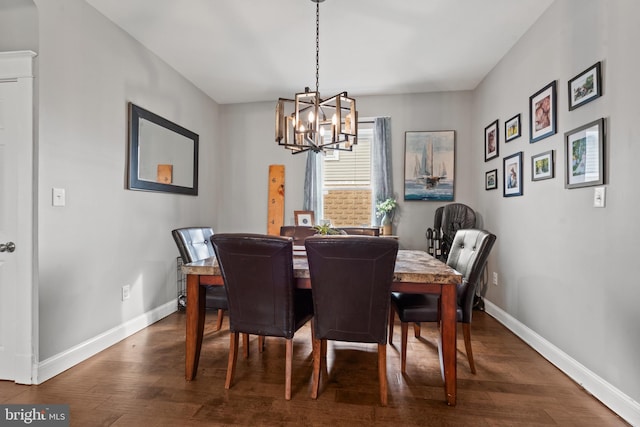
(259, 50)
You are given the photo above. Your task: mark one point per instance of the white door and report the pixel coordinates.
(16, 217)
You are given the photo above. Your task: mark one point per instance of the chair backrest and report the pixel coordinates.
(258, 275)
(361, 231)
(298, 232)
(351, 279)
(456, 216)
(194, 243)
(468, 255)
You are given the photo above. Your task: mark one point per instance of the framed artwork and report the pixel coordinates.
(429, 165)
(542, 113)
(304, 218)
(491, 180)
(542, 166)
(584, 155)
(512, 175)
(512, 128)
(585, 87)
(491, 141)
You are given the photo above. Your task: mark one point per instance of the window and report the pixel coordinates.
(347, 183)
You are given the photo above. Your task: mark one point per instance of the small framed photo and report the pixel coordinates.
(491, 180)
(585, 87)
(512, 174)
(542, 113)
(584, 155)
(304, 218)
(491, 141)
(512, 128)
(542, 166)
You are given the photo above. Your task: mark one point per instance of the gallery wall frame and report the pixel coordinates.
(512, 175)
(512, 128)
(491, 180)
(429, 165)
(491, 141)
(543, 113)
(584, 155)
(585, 87)
(543, 166)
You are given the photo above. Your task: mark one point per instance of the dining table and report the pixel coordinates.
(415, 272)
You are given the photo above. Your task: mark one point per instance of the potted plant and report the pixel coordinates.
(386, 209)
(325, 229)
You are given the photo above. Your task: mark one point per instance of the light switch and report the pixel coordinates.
(598, 197)
(58, 197)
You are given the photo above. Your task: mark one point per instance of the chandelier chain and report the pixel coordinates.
(317, 47)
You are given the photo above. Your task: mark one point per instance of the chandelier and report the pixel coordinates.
(312, 123)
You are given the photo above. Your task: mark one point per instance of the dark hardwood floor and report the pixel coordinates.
(140, 382)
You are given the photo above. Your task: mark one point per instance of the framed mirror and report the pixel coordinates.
(163, 156)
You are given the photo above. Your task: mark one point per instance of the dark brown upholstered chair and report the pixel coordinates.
(298, 232)
(194, 244)
(263, 299)
(361, 231)
(468, 255)
(351, 279)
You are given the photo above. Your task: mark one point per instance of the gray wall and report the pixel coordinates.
(106, 236)
(563, 265)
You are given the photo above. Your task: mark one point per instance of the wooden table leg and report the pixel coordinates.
(195, 324)
(447, 348)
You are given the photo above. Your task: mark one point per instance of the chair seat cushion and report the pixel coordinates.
(418, 307)
(216, 298)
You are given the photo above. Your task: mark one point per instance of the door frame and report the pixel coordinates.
(17, 68)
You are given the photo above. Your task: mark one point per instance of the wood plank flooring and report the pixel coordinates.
(140, 381)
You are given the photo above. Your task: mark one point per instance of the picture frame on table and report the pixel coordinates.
(512, 175)
(585, 87)
(304, 218)
(491, 180)
(512, 128)
(491, 140)
(543, 113)
(584, 155)
(429, 165)
(542, 166)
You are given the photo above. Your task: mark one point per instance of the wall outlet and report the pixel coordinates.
(495, 278)
(126, 292)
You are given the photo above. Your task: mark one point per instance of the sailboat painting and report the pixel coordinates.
(429, 161)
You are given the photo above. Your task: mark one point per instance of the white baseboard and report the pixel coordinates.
(59, 363)
(610, 396)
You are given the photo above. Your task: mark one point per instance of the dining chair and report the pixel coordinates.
(468, 255)
(351, 279)
(194, 244)
(263, 300)
(361, 231)
(297, 232)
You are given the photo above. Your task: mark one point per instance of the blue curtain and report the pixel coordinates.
(382, 184)
(312, 185)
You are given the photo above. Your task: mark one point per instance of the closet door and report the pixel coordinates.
(16, 217)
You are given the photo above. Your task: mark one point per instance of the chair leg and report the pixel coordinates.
(391, 320)
(260, 343)
(245, 344)
(382, 373)
(220, 319)
(416, 330)
(233, 358)
(404, 328)
(288, 360)
(317, 362)
(466, 331)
